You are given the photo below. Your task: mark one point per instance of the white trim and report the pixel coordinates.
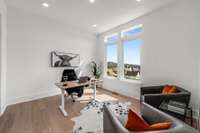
(131, 81)
(122, 93)
(28, 98)
(120, 49)
(120, 59)
(105, 57)
(133, 37)
(111, 35)
(110, 77)
(105, 61)
(131, 28)
(33, 97)
(124, 80)
(3, 110)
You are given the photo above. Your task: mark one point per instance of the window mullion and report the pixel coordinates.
(120, 58)
(105, 60)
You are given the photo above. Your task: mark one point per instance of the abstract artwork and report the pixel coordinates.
(62, 59)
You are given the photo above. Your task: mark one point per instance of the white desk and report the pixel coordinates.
(71, 84)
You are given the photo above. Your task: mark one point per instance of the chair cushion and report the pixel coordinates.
(137, 123)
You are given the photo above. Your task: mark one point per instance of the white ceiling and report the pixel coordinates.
(81, 13)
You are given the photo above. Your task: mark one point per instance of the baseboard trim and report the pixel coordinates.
(118, 93)
(29, 98)
(3, 109)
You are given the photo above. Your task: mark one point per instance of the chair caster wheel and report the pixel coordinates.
(74, 101)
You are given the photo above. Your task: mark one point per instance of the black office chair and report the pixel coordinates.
(70, 75)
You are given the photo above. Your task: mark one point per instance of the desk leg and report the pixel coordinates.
(62, 106)
(95, 93)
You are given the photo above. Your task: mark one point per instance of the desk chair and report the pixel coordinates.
(70, 75)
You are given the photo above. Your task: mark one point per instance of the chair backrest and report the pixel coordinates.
(68, 75)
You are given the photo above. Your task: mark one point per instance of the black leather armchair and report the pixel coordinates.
(153, 95)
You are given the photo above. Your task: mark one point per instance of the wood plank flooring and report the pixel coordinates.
(43, 115)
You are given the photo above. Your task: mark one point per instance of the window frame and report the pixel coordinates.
(120, 52)
(105, 59)
(132, 39)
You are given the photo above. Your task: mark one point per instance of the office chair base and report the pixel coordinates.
(73, 98)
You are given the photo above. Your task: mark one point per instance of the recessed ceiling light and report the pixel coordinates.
(94, 25)
(138, 0)
(92, 1)
(45, 4)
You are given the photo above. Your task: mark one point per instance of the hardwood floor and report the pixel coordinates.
(43, 115)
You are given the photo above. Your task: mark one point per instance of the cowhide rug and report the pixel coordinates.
(91, 118)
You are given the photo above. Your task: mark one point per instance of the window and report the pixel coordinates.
(112, 60)
(112, 55)
(123, 53)
(132, 31)
(112, 38)
(132, 59)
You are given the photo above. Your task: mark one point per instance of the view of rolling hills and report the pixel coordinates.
(131, 71)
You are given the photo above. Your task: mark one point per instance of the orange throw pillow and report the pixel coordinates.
(172, 90)
(160, 126)
(169, 89)
(136, 123)
(166, 89)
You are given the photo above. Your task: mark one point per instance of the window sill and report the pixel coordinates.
(124, 80)
(109, 77)
(131, 81)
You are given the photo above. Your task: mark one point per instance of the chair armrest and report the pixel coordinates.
(151, 90)
(110, 122)
(154, 115)
(156, 99)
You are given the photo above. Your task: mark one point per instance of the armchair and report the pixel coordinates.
(112, 124)
(153, 95)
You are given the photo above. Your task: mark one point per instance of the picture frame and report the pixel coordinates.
(63, 59)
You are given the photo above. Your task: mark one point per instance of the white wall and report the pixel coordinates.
(31, 38)
(3, 63)
(170, 41)
(199, 90)
(199, 81)
(169, 49)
